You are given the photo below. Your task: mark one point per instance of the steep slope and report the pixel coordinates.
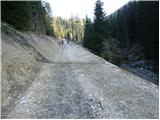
(22, 56)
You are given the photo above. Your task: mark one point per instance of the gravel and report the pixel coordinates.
(41, 79)
(72, 87)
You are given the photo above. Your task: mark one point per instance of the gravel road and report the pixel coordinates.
(78, 84)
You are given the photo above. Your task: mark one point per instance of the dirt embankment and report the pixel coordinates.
(43, 80)
(22, 58)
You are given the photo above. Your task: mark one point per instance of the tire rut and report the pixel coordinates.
(55, 94)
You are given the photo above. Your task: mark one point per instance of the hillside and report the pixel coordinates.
(22, 58)
(43, 79)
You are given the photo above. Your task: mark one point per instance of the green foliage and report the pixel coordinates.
(47, 19)
(40, 17)
(98, 28)
(124, 24)
(134, 24)
(107, 52)
(17, 13)
(98, 31)
(88, 34)
(148, 33)
(137, 23)
(71, 29)
(25, 15)
(111, 53)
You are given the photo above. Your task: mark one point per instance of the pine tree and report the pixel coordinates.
(98, 27)
(88, 34)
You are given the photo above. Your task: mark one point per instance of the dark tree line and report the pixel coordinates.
(132, 29)
(148, 28)
(26, 15)
(16, 13)
(137, 23)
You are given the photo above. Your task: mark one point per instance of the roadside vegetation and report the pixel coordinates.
(128, 37)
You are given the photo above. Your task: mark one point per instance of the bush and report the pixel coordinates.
(111, 53)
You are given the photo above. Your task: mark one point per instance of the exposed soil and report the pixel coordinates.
(69, 82)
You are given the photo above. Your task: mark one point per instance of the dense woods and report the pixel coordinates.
(71, 29)
(26, 15)
(137, 23)
(36, 16)
(18, 14)
(128, 35)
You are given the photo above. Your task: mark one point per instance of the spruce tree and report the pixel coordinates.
(98, 27)
(88, 34)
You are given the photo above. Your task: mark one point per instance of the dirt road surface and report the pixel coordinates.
(78, 84)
